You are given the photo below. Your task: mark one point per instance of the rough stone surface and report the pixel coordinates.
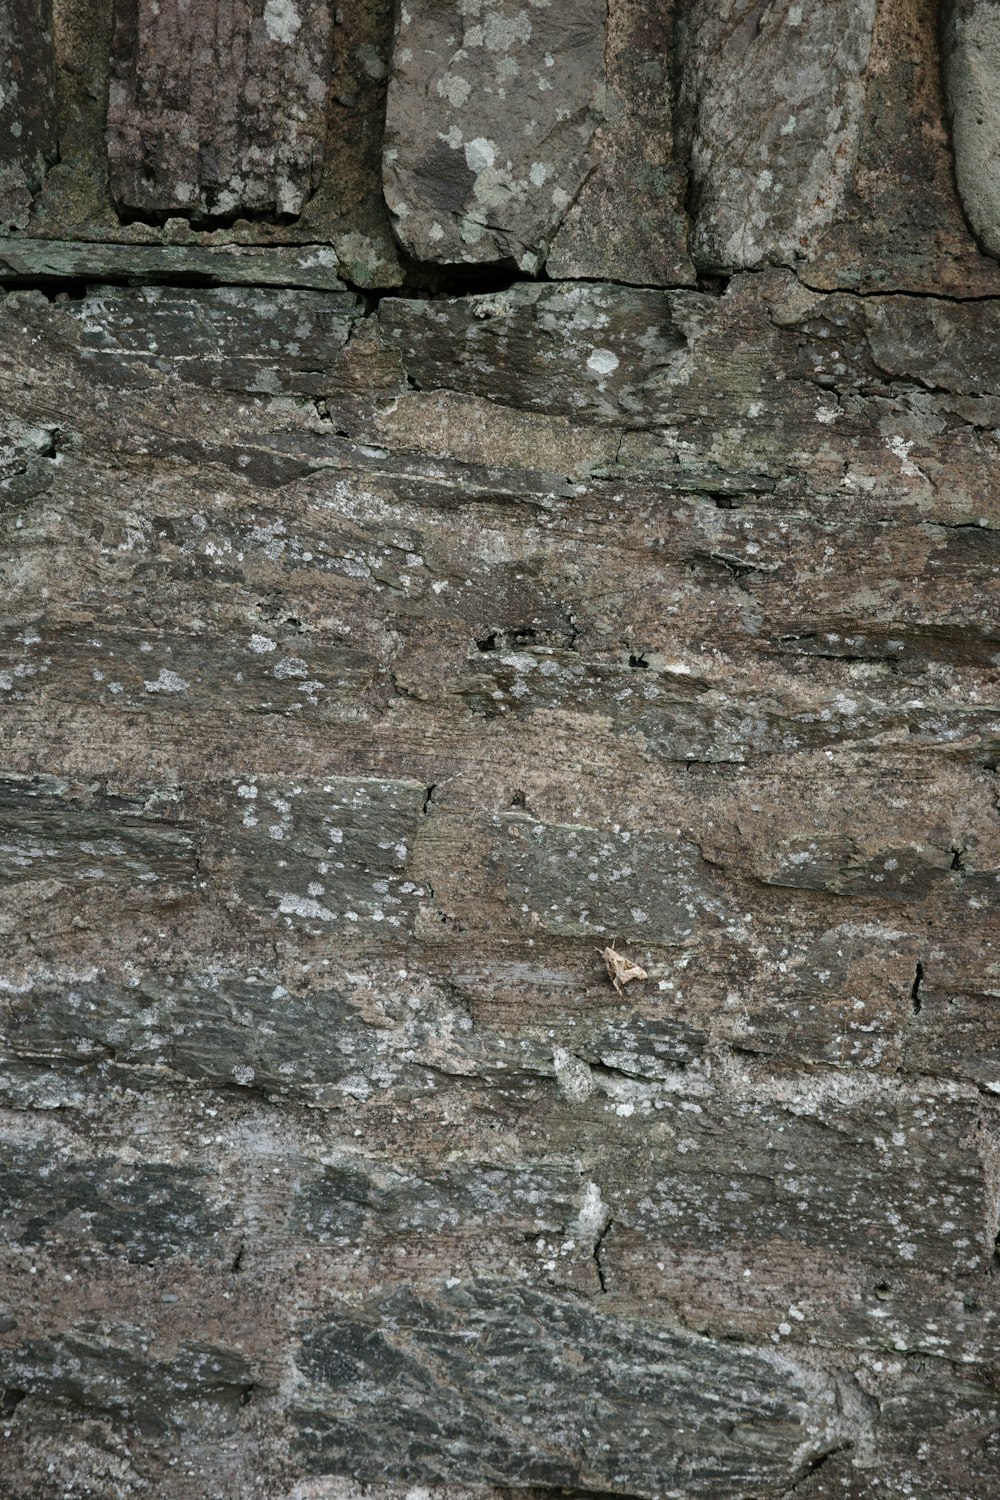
(627, 222)
(679, 1412)
(384, 636)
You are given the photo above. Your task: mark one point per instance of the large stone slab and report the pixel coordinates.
(309, 266)
(970, 48)
(61, 844)
(115, 1366)
(653, 887)
(28, 126)
(870, 1172)
(491, 1384)
(771, 96)
(333, 856)
(628, 222)
(490, 113)
(217, 110)
(230, 338)
(140, 1212)
(585, 351)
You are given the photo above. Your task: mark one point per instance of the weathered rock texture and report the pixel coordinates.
(479, 487)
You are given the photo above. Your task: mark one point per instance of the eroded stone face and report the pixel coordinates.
(771, 95)
(217, 110)
(970, 46)
(491, 109)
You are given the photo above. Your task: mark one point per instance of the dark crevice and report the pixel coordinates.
(429, 799)
(605, 1070)
(596, 1253)
(714, 282)
(813, 1464)
(238, 1257)
(429, 283)
(891, 291)
(519, 638)
(10, 1397)
(915, 990)
(203, 220)
(957, 858)
(422, 281)
(52, 288)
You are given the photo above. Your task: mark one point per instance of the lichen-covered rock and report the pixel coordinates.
(491, 111)
(771, 96)
(140, 1212)
(229, 338)
(217, 110)
(288, 266)
(336, 853)
(656, 888)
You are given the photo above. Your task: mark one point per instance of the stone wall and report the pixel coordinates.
(484, 486)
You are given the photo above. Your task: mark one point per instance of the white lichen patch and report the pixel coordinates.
(166, 682)
(602, 362)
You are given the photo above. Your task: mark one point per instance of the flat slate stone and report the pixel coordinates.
(115, 1366)
(491, 109)
(358, 1201)
(327, 856)
(231, 338)
(138, 1212)
(485, 1383)
(653, 887)
(588, 351)
(31, 260)
(96, 840)
(218, 109)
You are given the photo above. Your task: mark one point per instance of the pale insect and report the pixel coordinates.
(621, 970)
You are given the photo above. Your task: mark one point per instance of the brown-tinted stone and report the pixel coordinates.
(629, 221)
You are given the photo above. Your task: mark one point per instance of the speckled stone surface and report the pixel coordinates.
(395, 624)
